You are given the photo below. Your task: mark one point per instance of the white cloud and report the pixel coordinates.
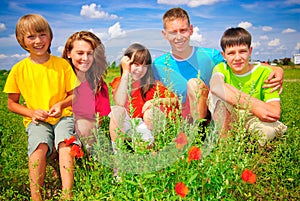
(20, 56)
(288, 30)
(95, 11)
(275, 42)
(174, 2)
(189, 3)
(196, 36)
(3, 56)
(267, 28)
(264, 37)
(116, 31)
(256, 44)
(60, 49)
(196, 3)
(282, 47)
(2, 27)
(245, 25)
(297, 47)
(289, 2)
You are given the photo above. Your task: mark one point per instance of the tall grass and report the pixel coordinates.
(217, 176)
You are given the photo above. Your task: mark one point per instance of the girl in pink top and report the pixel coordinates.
(86, 54)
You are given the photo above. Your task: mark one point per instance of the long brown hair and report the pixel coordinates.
(96, 74)
(142, 56)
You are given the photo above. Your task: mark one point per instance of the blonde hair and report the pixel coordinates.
(96, 74)
(31, 23)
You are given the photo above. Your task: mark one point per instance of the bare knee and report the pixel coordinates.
(222, 117)
(196, 87)
(117, 114)
(42, 148)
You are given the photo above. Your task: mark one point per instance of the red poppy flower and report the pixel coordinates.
(181, 140)
(194, 154)
(248, 176)
(181, 189)
(76, 151)
(70, 141)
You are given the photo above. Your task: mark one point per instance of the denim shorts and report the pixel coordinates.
(49, 134)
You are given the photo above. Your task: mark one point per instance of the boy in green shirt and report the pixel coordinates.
(239, 78)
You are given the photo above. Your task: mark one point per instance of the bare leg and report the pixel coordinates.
(84, 128)
(222, 118)
(37, 171)
(197, 93)
(154, 118)
(66, 165)
(116, 121)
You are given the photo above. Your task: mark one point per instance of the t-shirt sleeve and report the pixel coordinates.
(164, 91)
(217, 57)
(71, 79)
(267, 95)
(219, 69)
(11, 85)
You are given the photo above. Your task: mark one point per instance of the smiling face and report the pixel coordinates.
(81, 55)
(178, 33)
(37, 43)
(138, 71)
(237, 58)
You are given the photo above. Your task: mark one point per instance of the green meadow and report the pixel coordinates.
(151, 174)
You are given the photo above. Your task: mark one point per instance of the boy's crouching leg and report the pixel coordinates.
(268, 130)
(37, 171)
(66, 165)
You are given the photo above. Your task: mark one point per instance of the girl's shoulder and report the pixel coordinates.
(115, 82)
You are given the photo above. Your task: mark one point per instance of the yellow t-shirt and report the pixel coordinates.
(42, 85)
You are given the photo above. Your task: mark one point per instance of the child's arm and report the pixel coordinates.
(268, 112)
(56, 109)
(120, 94)
(14, 106)
(158, 101)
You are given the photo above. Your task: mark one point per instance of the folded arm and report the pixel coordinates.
(14, 106)
(268, 112)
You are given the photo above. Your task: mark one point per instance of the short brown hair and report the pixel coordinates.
(235, 36)
(32, 23)
(175, 13)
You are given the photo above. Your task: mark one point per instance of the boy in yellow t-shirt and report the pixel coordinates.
(46, 83)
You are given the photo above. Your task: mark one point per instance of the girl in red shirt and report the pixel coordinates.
(137, 95)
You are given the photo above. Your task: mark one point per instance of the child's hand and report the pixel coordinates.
(39, 115)
(126, 62)
(55, 111)
(148, 104)
(275, 80)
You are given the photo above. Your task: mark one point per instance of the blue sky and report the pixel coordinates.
(274, 24)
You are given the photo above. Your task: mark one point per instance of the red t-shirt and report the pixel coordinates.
(136, 96)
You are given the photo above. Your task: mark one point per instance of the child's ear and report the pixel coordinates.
(191, 29)
(223, 54)
(250, 50)
(164, 33)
